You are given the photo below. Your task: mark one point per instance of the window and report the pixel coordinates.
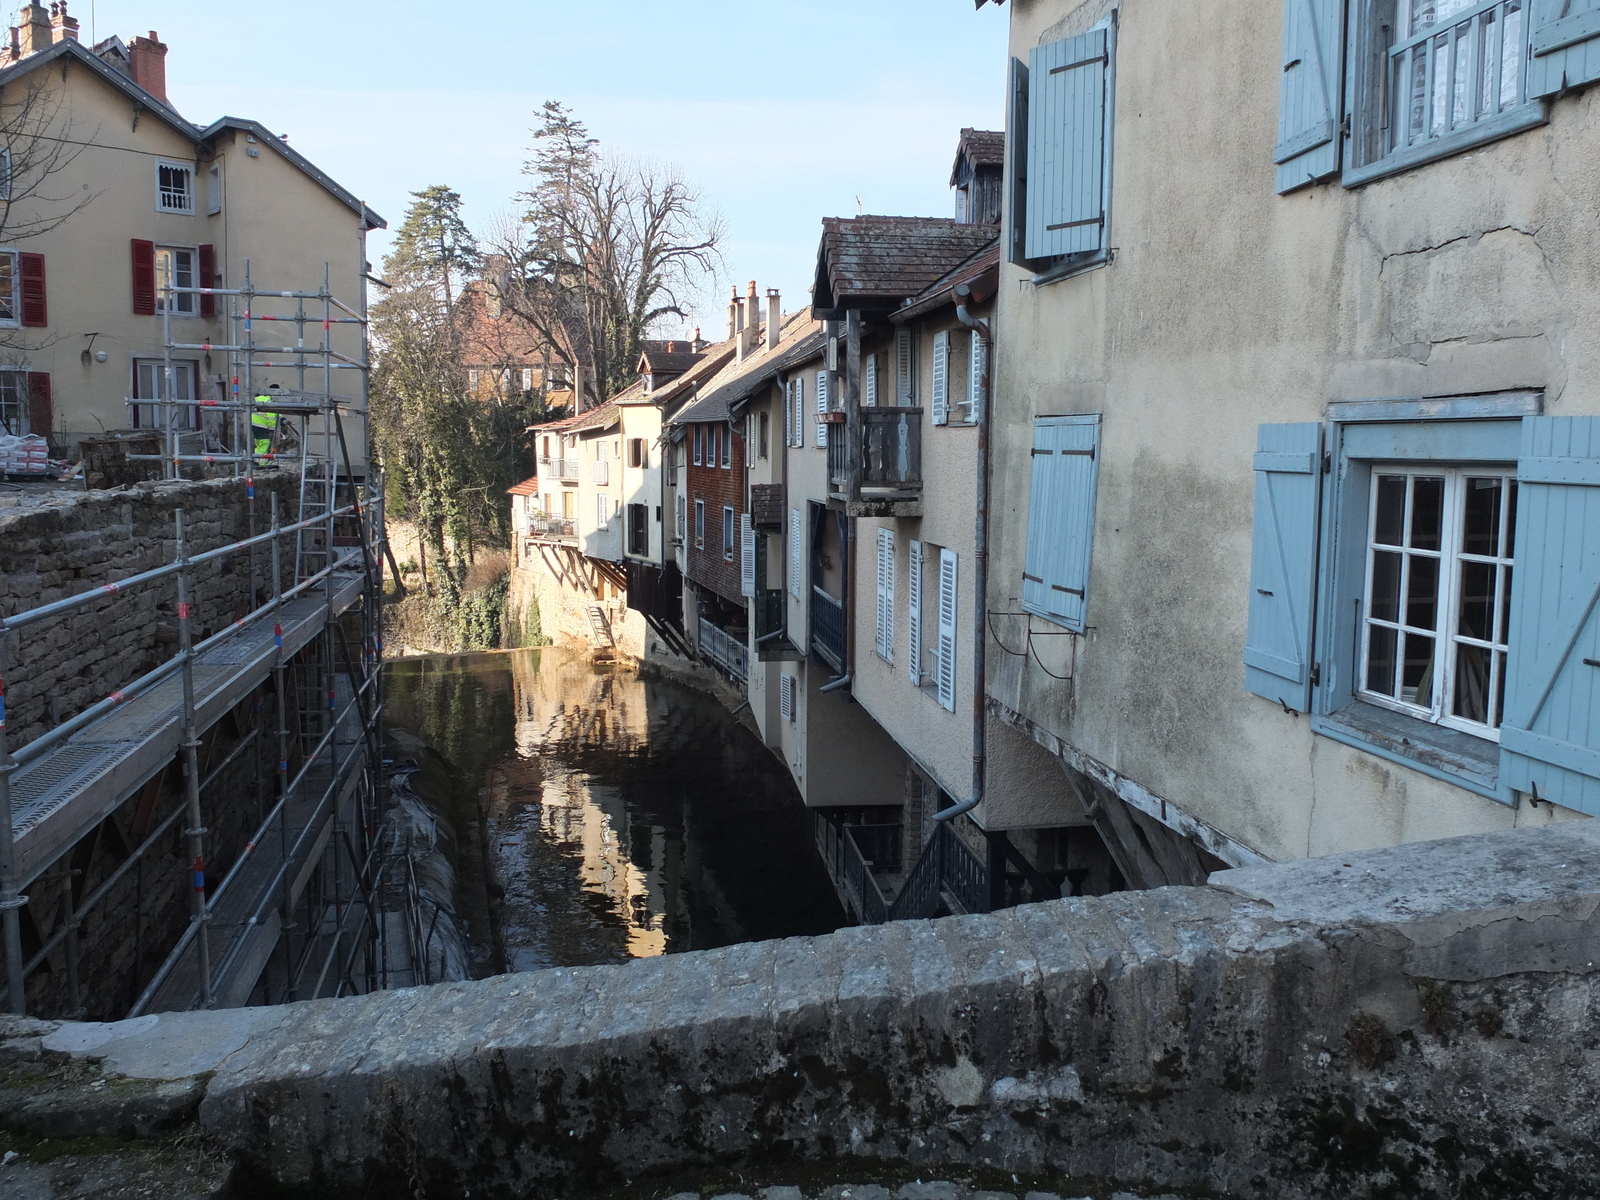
(5, 173)
(727, 534)
(639, 529)
(472, 383)
(636, 453)
(14, 403)
(1437, 597)
(1055, 578)
(174, 187)
(527, 379)
(699, 432)
(725, 432)
(699, 524)
(602, 516)
(1058, 139)
(149, 376)
(9, 299)
(763, 423)
(175, 269)
(883, 641)
(214, 189)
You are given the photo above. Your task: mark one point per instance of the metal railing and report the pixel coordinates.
(552, 528)
(852, 868)
(947, 864)
(726, 651)
(827, 627)
(560, 468)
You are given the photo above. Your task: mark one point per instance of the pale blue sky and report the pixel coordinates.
(782, 111)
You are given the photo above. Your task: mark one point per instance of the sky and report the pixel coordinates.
(781, 112)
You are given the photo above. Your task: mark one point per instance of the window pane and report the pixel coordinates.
(1472, 684)
(1511, 57)
(1422, 593)
(1391, 510)
(8, 307)
(1380, 660)
(1511, 521)
(1427, 511)
(1477, 600)
(1385, 586)
(1505, 607)
(1480, 530)
(1416, 676)
(1499, 688)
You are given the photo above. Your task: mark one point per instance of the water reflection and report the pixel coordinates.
(620, 816)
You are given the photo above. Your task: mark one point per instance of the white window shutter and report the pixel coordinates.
(794, 553)
(683, 516)
(871, 385)
(903, 369)
(885, 633)
(979, 362)
(798, 383)
(786, 697)
(822, 407)
(747, 556)
(788, 429)
(940, 387)
(947, 629)
(914, 623)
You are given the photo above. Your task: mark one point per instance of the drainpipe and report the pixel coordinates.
(980, 555)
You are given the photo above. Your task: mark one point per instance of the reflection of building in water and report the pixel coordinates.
(564, 707)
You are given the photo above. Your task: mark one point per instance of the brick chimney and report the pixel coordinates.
(61, 25)
(147, 63)
(774, 318)
(13, 50)
(36, 32)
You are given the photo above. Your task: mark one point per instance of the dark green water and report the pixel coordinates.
(604, 816)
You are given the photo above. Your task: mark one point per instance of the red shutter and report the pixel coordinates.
(208, 278)
(144, 278)
(35, 311)
(41, 409)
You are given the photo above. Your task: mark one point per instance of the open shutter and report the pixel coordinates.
(914, 624)
(794, 552)
(978, 364)
(903, 369)
(747, 556)
(786, 697)
(1283, 563)
(35, 310)
(144, 278)
(939, 392)
(1066, 146)
(1055, 575)
(1309, 94)
(41, 404)
(208, 278)
(871, 366)
(799, 385)
(1016, 170)
(884, 641)
(1565, 45)
(822, 407)
(947, 629)
(1550, 737)
(788, 415)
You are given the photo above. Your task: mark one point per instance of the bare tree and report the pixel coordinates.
(608, 247)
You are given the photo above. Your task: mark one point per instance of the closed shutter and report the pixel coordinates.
(786, 697)
(885, 633)
(683, 516)
(822, 407)
(794, 552)
(871, 366)
(600, 511)
(1565, 45)
(1283, 563)
(144, 278)
(35, 309)
(947, 629)
(1550, 737)
(788, 417)
(747, 556)
(1055, 577)
(799, 386)
(41, 404)
(914, 623)
(1309, 96)
(1016, 171)
(977, 376)
(904, 369)
(939, 391)
(1066, 146)
(208, 278)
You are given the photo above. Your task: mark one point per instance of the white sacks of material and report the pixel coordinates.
(28, 455)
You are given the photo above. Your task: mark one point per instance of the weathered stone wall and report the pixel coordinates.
(75, 541)
(1413, 1022)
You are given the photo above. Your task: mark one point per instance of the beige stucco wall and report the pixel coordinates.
(1228, 305)
(643, 485)
(591, 447)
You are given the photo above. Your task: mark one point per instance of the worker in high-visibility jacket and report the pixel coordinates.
(264, 424)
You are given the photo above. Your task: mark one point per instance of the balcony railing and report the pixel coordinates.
(891, 448)
(552, 529)
(851, 852)
(827, 628)
(560, 468)
(726, 651)
(600, 471)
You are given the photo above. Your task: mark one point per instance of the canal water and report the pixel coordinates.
(602, 815)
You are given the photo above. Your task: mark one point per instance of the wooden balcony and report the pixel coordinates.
(885, 480)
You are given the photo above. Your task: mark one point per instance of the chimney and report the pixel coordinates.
(61, 25)
(147, 63)
(36, 32)
(577, 389)
(749, 325)
(733, 313)
(774, 318)
(14, 51)
(695, 342)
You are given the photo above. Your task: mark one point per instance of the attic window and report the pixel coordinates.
(174, 188)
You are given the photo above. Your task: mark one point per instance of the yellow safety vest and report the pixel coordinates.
(265, 424)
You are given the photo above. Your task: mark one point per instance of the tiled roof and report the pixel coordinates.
(602, 417)
(938, 293)
(800, 338)
(863, 260)
(528, 487)
(980, 147)
(667, 358)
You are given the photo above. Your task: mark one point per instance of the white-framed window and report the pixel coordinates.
(214, 189)
(527, 379)
(175, 268)
(699, 524)
(174, 187)
(149, 386)
(1440, 547)
(10, 293)
(698, 435)
(5, 173)
(725, 432)
(602, 512)
(14, 403)
(472, 382)
(728, 539)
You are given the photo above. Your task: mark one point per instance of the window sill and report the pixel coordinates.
(1493, 130)
(1447, 754)
(1075, 265)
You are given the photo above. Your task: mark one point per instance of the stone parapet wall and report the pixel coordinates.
(72, 542)
(1417, 1021)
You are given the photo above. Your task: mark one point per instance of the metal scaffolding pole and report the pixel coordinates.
(191, 766)
(10, 901)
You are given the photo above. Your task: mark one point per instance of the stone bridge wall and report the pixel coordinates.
(1414, 1022)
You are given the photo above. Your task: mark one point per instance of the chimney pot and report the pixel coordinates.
(62, 26)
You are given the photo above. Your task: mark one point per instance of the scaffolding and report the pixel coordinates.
(293, 915)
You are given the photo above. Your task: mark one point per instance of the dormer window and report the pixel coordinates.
(174, 187)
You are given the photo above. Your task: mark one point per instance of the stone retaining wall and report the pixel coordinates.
(1415, 1022)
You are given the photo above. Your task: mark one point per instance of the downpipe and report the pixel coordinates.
(980, 557)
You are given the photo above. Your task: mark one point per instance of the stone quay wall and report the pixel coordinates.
(1418, 1022)
(56, 545)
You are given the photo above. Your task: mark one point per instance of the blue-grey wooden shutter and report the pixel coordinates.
(1565, 45)
(1550, 737)
(1066, 146)
(1310, 93)
(914, 610)
(1016, 169)
(1283, 563)
(1055, 578)
(948, 609)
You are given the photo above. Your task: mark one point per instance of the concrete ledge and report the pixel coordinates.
(1417, 1021)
